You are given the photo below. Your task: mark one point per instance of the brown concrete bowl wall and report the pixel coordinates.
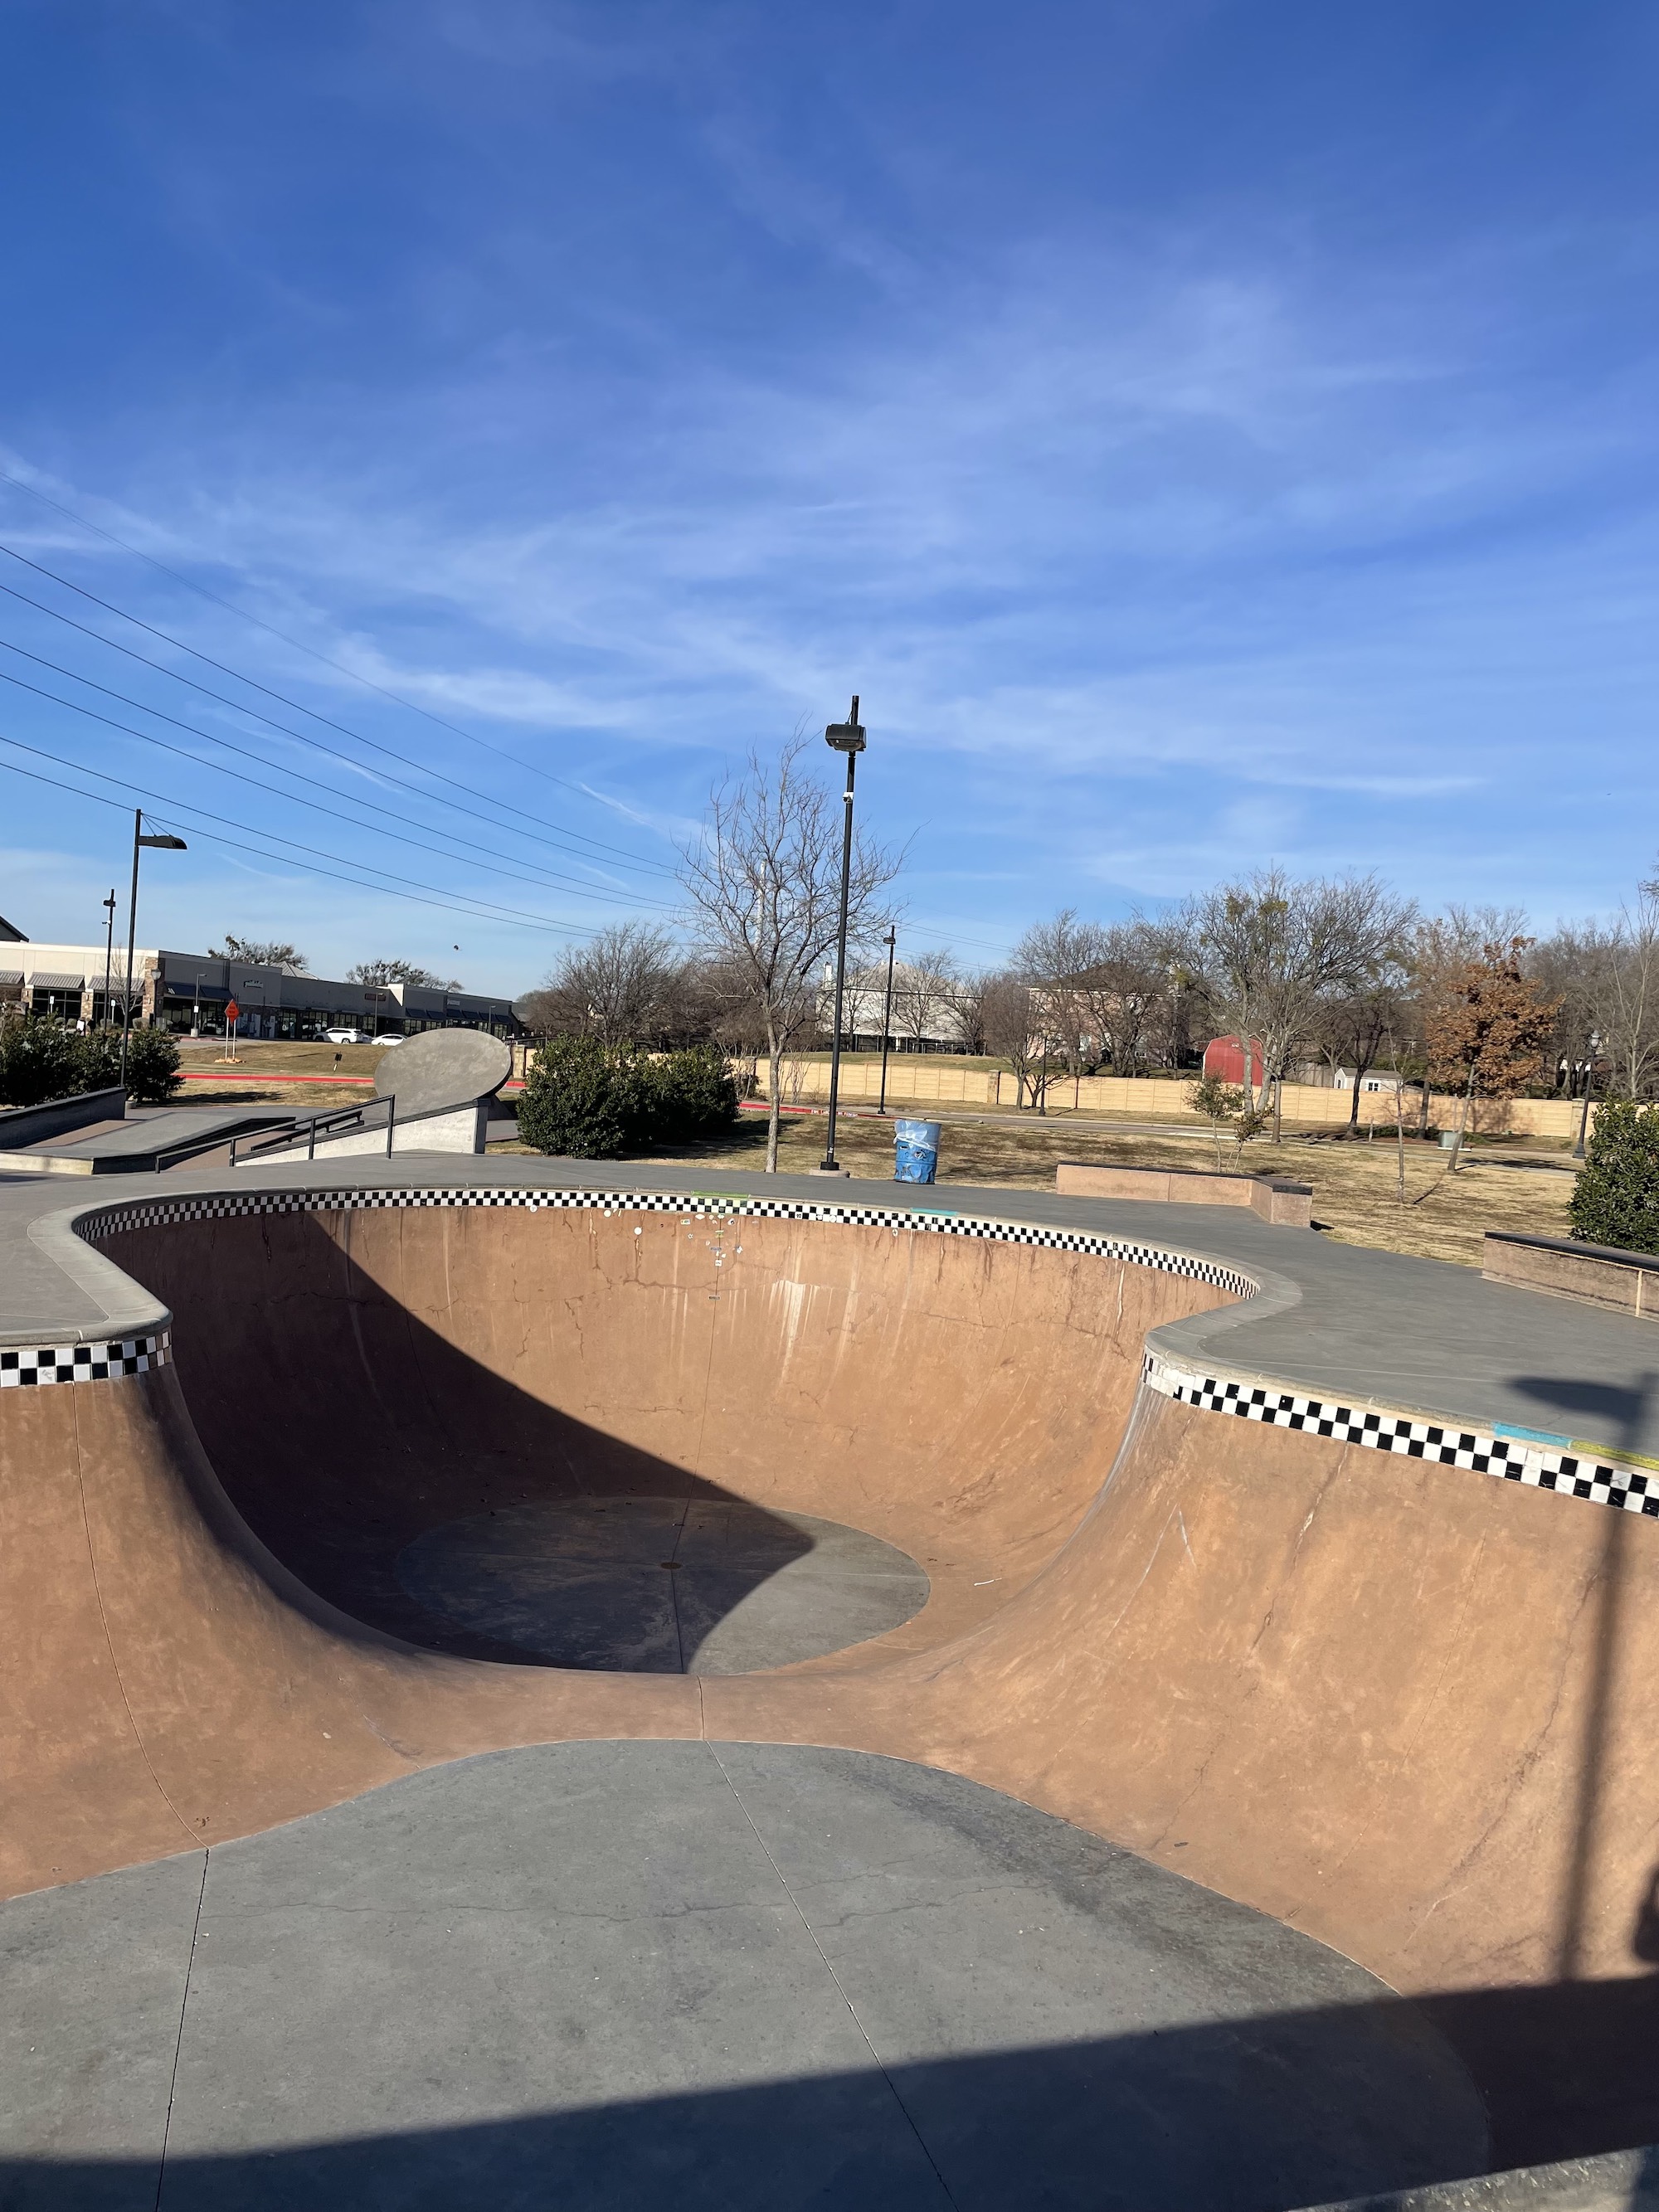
(358, 1377)
(1410, 1709)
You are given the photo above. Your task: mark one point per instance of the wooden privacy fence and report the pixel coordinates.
(1158, 1098)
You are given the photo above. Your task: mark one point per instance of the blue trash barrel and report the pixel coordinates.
(915, 1151)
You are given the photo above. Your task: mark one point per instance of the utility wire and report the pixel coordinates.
(560, 839)
(329, 752)
(230, 607)
(294, 798)
(183, 812)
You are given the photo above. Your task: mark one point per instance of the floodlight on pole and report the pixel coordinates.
(164, 843)
(847, 737)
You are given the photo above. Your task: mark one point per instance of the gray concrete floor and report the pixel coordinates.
(705, 1976)
(662, 1585)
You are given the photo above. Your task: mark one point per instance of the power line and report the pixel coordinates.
(294, 798)
(438, 720)
(560, 838)
(329, 752)
(230, 607)
(185, 811)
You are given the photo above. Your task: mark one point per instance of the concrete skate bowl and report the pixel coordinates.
(1401, 1707)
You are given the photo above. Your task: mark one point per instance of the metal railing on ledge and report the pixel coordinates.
(289, 1141)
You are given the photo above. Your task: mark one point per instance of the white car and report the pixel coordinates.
(347, 1037)
(388, 1036)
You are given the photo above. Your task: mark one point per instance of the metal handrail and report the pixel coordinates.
(344, 1117)
(182, 1147)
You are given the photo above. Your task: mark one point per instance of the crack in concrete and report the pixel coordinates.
(783, 1882)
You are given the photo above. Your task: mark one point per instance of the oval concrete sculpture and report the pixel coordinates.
(443, 1067)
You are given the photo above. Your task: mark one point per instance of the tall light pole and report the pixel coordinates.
(887, 1019)
(167, 845)
(109, 947)
(1583, 1116)
(847, 737)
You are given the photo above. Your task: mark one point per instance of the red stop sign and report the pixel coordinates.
(232, 1011)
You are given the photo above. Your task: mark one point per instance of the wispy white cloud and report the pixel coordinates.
(1157, 538)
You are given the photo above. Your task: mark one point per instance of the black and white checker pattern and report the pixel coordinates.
(112, 1220)
(1604, 1482)
(1540, 1466)
(29, 1366)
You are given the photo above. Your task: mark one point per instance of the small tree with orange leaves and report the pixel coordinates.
(1487, 1029)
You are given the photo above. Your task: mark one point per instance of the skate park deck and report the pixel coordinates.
(1311, 1707)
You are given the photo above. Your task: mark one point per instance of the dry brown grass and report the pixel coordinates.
(1356, 1199)
(241, 1088)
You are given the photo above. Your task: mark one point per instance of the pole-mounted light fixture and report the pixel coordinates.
(847, 737)
(163, 842)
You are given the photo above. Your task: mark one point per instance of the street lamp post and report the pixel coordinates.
(847, 737)
(164, 844)
(109, 948)
(1583, 1116)
(887, 1020)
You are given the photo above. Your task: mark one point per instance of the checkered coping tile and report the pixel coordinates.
(1541, 1467)
(112, 1220)
(28, 1366)
(1571, 1474)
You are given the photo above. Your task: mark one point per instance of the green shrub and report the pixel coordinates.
(581, 1098)
(586, 1101)
(1616, 1198)
(685, 1095)
(152, 1066)
(100, 1059)
(38, 1060)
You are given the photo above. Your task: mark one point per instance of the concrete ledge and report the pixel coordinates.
(1622, 2181)
(1599, 1275)
(22, 1126)
(456, 1128)
(1288, 1205)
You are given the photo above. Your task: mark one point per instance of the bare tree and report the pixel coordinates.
(923, 996)
(966, 997)
(1125, 990)
(1626, 1000)
(1054, 958)
(1268, 951)
(762, 887)
(623, 986)
(1012, 1016)
(1357, 1026)
(1572, 966)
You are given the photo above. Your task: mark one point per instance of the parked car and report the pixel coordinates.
(347, 1037)
(388, 1036)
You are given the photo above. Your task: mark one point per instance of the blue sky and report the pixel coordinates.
(1203, 433)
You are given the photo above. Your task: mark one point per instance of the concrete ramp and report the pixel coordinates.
(1403, 1705)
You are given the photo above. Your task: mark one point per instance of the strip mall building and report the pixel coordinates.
(188, 992)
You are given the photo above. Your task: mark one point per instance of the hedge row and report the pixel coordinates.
(46, 1059)
(588, 1101)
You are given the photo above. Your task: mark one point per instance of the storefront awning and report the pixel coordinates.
(44, 980)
